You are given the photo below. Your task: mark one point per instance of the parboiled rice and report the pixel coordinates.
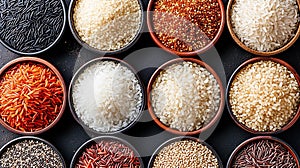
(185, 96)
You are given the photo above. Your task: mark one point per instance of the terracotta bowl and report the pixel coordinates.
(255, 52)
(184, 54)
(70, 95)
(23, 138)
(56, 72)
(95, 50)
(251, 61)
(98, 139)
(244, 144)
(175, 131)
(182, 138)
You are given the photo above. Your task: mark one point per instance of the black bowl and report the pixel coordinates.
(95, 50)
(32, 40)
(20, 139)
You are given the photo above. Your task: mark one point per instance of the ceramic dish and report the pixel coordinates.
(34, 139)
(187, 139)
(210, 44)
(62, 102)
(233, 76)
(94, 49)
(114, 142)
(255, 52)
(71, 95)
(210, 123)
(262, 155)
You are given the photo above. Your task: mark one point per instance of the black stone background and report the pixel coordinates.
(68, 135)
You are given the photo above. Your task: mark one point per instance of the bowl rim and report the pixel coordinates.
(237, 70)
(244, 144)
(70, 98)
(185, 54)
(23, 138)
(105, 52)
(97, 139)
(182, 138)
(255, 52)
(60, 78)
(218, 113)
(54, 43)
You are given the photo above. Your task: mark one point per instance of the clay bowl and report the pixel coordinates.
(184, 54)
(255, 52)
(243, 145)
(206, 127)
(36, 60)
(251, 61)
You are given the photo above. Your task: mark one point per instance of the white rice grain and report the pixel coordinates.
(265, 25)
(107, 25)
(185, 96)
(107, 96)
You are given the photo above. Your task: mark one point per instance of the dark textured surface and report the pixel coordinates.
(67, 56)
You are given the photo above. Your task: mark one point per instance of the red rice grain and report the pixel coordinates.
(31, 97)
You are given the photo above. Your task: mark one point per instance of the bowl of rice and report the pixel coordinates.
(185, 151)
(186, 28)
(106, 96)
(263, 151)
(263, 95)
(106, 27)
(33, 96)
(185, 96)
(264, 28)
(30, 151)
(107, 151)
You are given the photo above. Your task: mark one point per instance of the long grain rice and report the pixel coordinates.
(107, 96)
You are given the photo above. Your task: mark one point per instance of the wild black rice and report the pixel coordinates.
(30, 26)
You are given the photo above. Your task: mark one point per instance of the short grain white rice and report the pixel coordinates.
(107, 96)
(107, 25)
(265, 25)
(264, 96)
(185, 96)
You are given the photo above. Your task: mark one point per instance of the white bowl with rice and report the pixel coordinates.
(106, 96)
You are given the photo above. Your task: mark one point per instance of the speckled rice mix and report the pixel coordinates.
(30, 153)
(186, 25)
(185, 154)
(185, 96)
(264, 96)
(107, 25)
